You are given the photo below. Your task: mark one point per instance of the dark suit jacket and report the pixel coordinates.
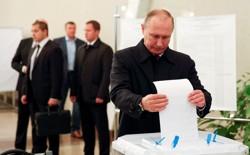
(20, 60)
(132, 78)
(92, 72)
(46, 75)
(62, 43)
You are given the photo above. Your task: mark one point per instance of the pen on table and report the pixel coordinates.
(215, 134)
(158, 142)
(209, 136)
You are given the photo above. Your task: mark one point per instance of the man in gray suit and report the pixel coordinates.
(69, 44)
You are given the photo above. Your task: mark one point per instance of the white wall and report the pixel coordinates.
(22, 13)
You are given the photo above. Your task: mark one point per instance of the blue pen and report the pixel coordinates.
(159, 142)
(209, 136)
(175, 141)
(215, 134)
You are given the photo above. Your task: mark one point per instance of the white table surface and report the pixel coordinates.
(138, 144)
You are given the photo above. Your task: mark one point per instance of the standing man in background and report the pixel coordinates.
(91, 88)
(134, 70)
(69, 44)
(19, 63)
(42, 84)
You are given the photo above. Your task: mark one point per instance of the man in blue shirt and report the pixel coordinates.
(69, 44)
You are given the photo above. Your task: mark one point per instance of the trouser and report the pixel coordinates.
(75, 119)
(22, 124)
(94, 115)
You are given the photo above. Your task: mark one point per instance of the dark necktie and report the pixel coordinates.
(37, 51)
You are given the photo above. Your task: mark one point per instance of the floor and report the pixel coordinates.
(8, 119)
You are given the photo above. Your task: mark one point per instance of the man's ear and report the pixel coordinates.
(142, 28)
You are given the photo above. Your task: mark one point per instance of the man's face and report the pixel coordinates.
(70, 30)
(157, 34)
(90, 33)
(37, 34)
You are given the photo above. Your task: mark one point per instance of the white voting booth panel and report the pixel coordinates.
(140, 144)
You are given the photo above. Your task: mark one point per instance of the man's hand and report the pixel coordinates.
(24, 69)
(52, 102)
(197, 97)
(24, 99)
(154, 102)
(99, 100)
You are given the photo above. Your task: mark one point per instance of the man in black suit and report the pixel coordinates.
(43, 81)
(135, 69)
(19, 63)
(91, 86)
(69, 44)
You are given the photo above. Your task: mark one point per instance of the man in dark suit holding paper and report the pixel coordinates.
(43, 81)
(135, 69)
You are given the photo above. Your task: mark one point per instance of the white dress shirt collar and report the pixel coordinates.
(43, 42)
(67, 39)
(92, 42)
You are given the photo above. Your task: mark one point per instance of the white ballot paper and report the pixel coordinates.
(179, 118)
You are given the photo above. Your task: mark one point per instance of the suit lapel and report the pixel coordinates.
(144, 61)
(41, 54)
(78, 44)
(147, 69)
(30, 55)
(64, 47)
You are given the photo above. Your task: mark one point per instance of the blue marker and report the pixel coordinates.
(175, 141)
(215, 134)
(209, 136)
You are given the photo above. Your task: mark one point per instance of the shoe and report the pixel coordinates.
(76, 134)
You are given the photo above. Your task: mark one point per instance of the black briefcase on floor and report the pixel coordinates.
(53, 122)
